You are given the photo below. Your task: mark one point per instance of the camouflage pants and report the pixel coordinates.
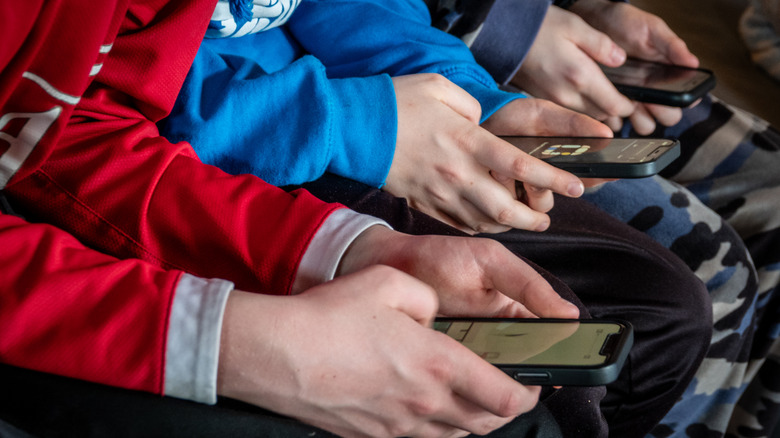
(718, 209)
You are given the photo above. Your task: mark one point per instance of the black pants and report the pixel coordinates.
(34, 404)
(603, 266)
(609, 270)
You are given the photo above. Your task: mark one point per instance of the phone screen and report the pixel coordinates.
(533, 343)
(654, 75)
(593, 150)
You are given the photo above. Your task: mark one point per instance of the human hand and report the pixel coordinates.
(562, 66)
(471, 276)
(641, 34)
(542, 118)
(645, 36)
(356, 357)
(449, 167)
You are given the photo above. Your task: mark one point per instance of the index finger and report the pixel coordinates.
(518, 280)
(603, 97)
(485, 386)
(671, 47)
(501, 156)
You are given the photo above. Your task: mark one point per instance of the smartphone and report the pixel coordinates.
(575, 352)
(592, 157)
(664, 84)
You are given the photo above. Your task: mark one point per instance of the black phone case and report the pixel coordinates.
(552, 375)
(618, 170)
(668, 98)
(576, 376)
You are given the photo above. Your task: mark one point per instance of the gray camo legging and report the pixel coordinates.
(720, 197)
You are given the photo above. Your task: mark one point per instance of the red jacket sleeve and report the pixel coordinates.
(81, 87)
(118, 186)
(69, 310)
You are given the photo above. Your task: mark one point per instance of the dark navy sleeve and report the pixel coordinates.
(506, 35)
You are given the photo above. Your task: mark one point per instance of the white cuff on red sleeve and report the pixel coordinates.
(192, 350)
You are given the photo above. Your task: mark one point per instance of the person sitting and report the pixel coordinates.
(713, 207)
(398, 104)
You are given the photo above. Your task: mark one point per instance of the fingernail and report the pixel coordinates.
(543, 225)
(576, 189)
(572, 306)
(618, 55)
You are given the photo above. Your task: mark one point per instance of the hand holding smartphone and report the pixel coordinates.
(590, 157)
(546, 351)
(664, 84)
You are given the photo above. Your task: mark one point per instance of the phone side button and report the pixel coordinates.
(532, 377)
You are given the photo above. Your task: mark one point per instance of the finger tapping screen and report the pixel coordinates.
(600, 149)
(540, 343)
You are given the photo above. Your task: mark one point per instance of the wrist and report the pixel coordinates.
(363, 251)
(249, 342)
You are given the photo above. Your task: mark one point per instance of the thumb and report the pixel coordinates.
(400, 291)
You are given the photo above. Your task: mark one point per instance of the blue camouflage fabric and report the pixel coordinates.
(718, 208)
(720, 197)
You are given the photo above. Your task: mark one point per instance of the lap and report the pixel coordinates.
(41, 405)
(611, 270)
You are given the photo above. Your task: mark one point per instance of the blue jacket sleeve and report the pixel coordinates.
(288, 127)
(390, 37)
(330, 112)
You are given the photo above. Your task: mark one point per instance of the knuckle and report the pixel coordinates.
(540, 106)
(506, 216)
(490, 228)
(568, 100)
(439, 194)
(424, 406)
(441, 371)
(467, 137)
(436, 79)
(655, 22)
(452, 176)
(520, 167)
(489, 251)
(512, 404)
(579, 80)
(436, 84)
(612, 109)
(576, 77)
(481, 227)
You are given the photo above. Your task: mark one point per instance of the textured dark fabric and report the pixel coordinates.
(35, 405)
(5, 206)
(510, 27)
(613, 270)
